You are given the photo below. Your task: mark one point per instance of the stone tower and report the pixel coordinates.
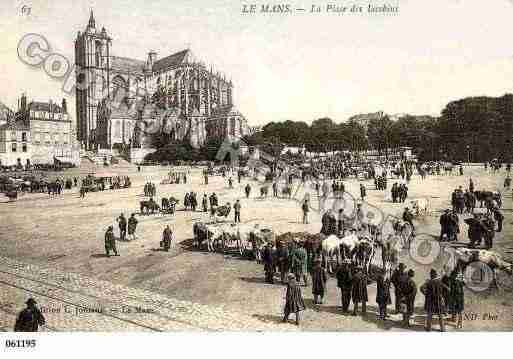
(92, 53)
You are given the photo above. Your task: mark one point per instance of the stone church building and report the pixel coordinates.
(125, 102)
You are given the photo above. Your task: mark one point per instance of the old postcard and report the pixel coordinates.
(254, 166)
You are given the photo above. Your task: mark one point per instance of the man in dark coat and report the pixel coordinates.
(359, 290)
(132, 226)
(409, 292)
(398, 277)
(434, 304)
(363, 191)
(382, 295)
(457, 297)
(29, 318)
(282, 254)
(167, 237)
(110, 242)
(122, 227)
(247, 189)
(499, 217)
(345, 283)
(475, 230)
(267, 258)
(319, 279)
(236, 210)
(294, 302)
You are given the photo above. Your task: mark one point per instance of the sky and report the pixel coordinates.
(298, 66)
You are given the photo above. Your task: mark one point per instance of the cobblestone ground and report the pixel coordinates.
(53, 249)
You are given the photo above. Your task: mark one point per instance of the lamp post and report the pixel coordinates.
(468, 154)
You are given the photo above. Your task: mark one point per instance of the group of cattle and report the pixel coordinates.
(245, 238)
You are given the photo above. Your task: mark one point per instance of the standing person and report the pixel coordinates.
(247, 189)
(110, 242)
(300, 264)
(461, 170)
(204, 203)
(434, 302)
(471, 185)
(409, 292)
(122, 227)
(230, 182)
(236, 208)
(30, 318)
(167, 238)
(294, 302)
(397, 278)
(340, 222)
(275, 189)
(383, 295)
(282, 254)
(305, 208)
(267, 257)
(359, 290)
(319, 279)
(345, 283)
(82, 191)
(132, 226)
(363, 191)
(499, 217)
(457, 295)
(194, 201)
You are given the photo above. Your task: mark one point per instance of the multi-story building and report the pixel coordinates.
(39, 133)
(15, 148)
(115, 95)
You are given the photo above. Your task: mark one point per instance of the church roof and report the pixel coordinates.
(126, 64)
(171, 61)
(44, 106)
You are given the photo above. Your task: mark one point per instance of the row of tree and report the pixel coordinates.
(475, 128)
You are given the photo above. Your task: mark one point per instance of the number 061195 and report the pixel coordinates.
(26, 343)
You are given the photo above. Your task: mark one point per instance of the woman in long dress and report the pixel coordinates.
(294, 302)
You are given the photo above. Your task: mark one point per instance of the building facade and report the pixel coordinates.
(39, 133)
(117, 97)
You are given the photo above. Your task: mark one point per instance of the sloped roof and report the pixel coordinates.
(170, 61)
(126, 64)
(44, 106)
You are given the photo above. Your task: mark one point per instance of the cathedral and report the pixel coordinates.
(124, 102)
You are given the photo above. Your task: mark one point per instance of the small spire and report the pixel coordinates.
(91, 20)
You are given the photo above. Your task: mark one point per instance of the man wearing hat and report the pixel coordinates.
(433, 290)
(398, 278)
(132, 226)
(110, 242)
(345, 283)
(445, 223)
(29, 318)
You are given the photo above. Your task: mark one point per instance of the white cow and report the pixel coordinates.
(330, 246)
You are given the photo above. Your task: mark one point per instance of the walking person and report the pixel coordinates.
(282, 254)
(434, 303)
(110, 242)
(457, 297)
(122, 227)
(409, 292)
(299, 263)
(294, 302)
(397, 278)
(204, 203)
(132, 227)
(247, 189)
(319, 279)
(383, 295)
(236, 208)
(267, 258)
(345, 283)
(167, 238)
(363, 191)
(30, 318)
(305, 207)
